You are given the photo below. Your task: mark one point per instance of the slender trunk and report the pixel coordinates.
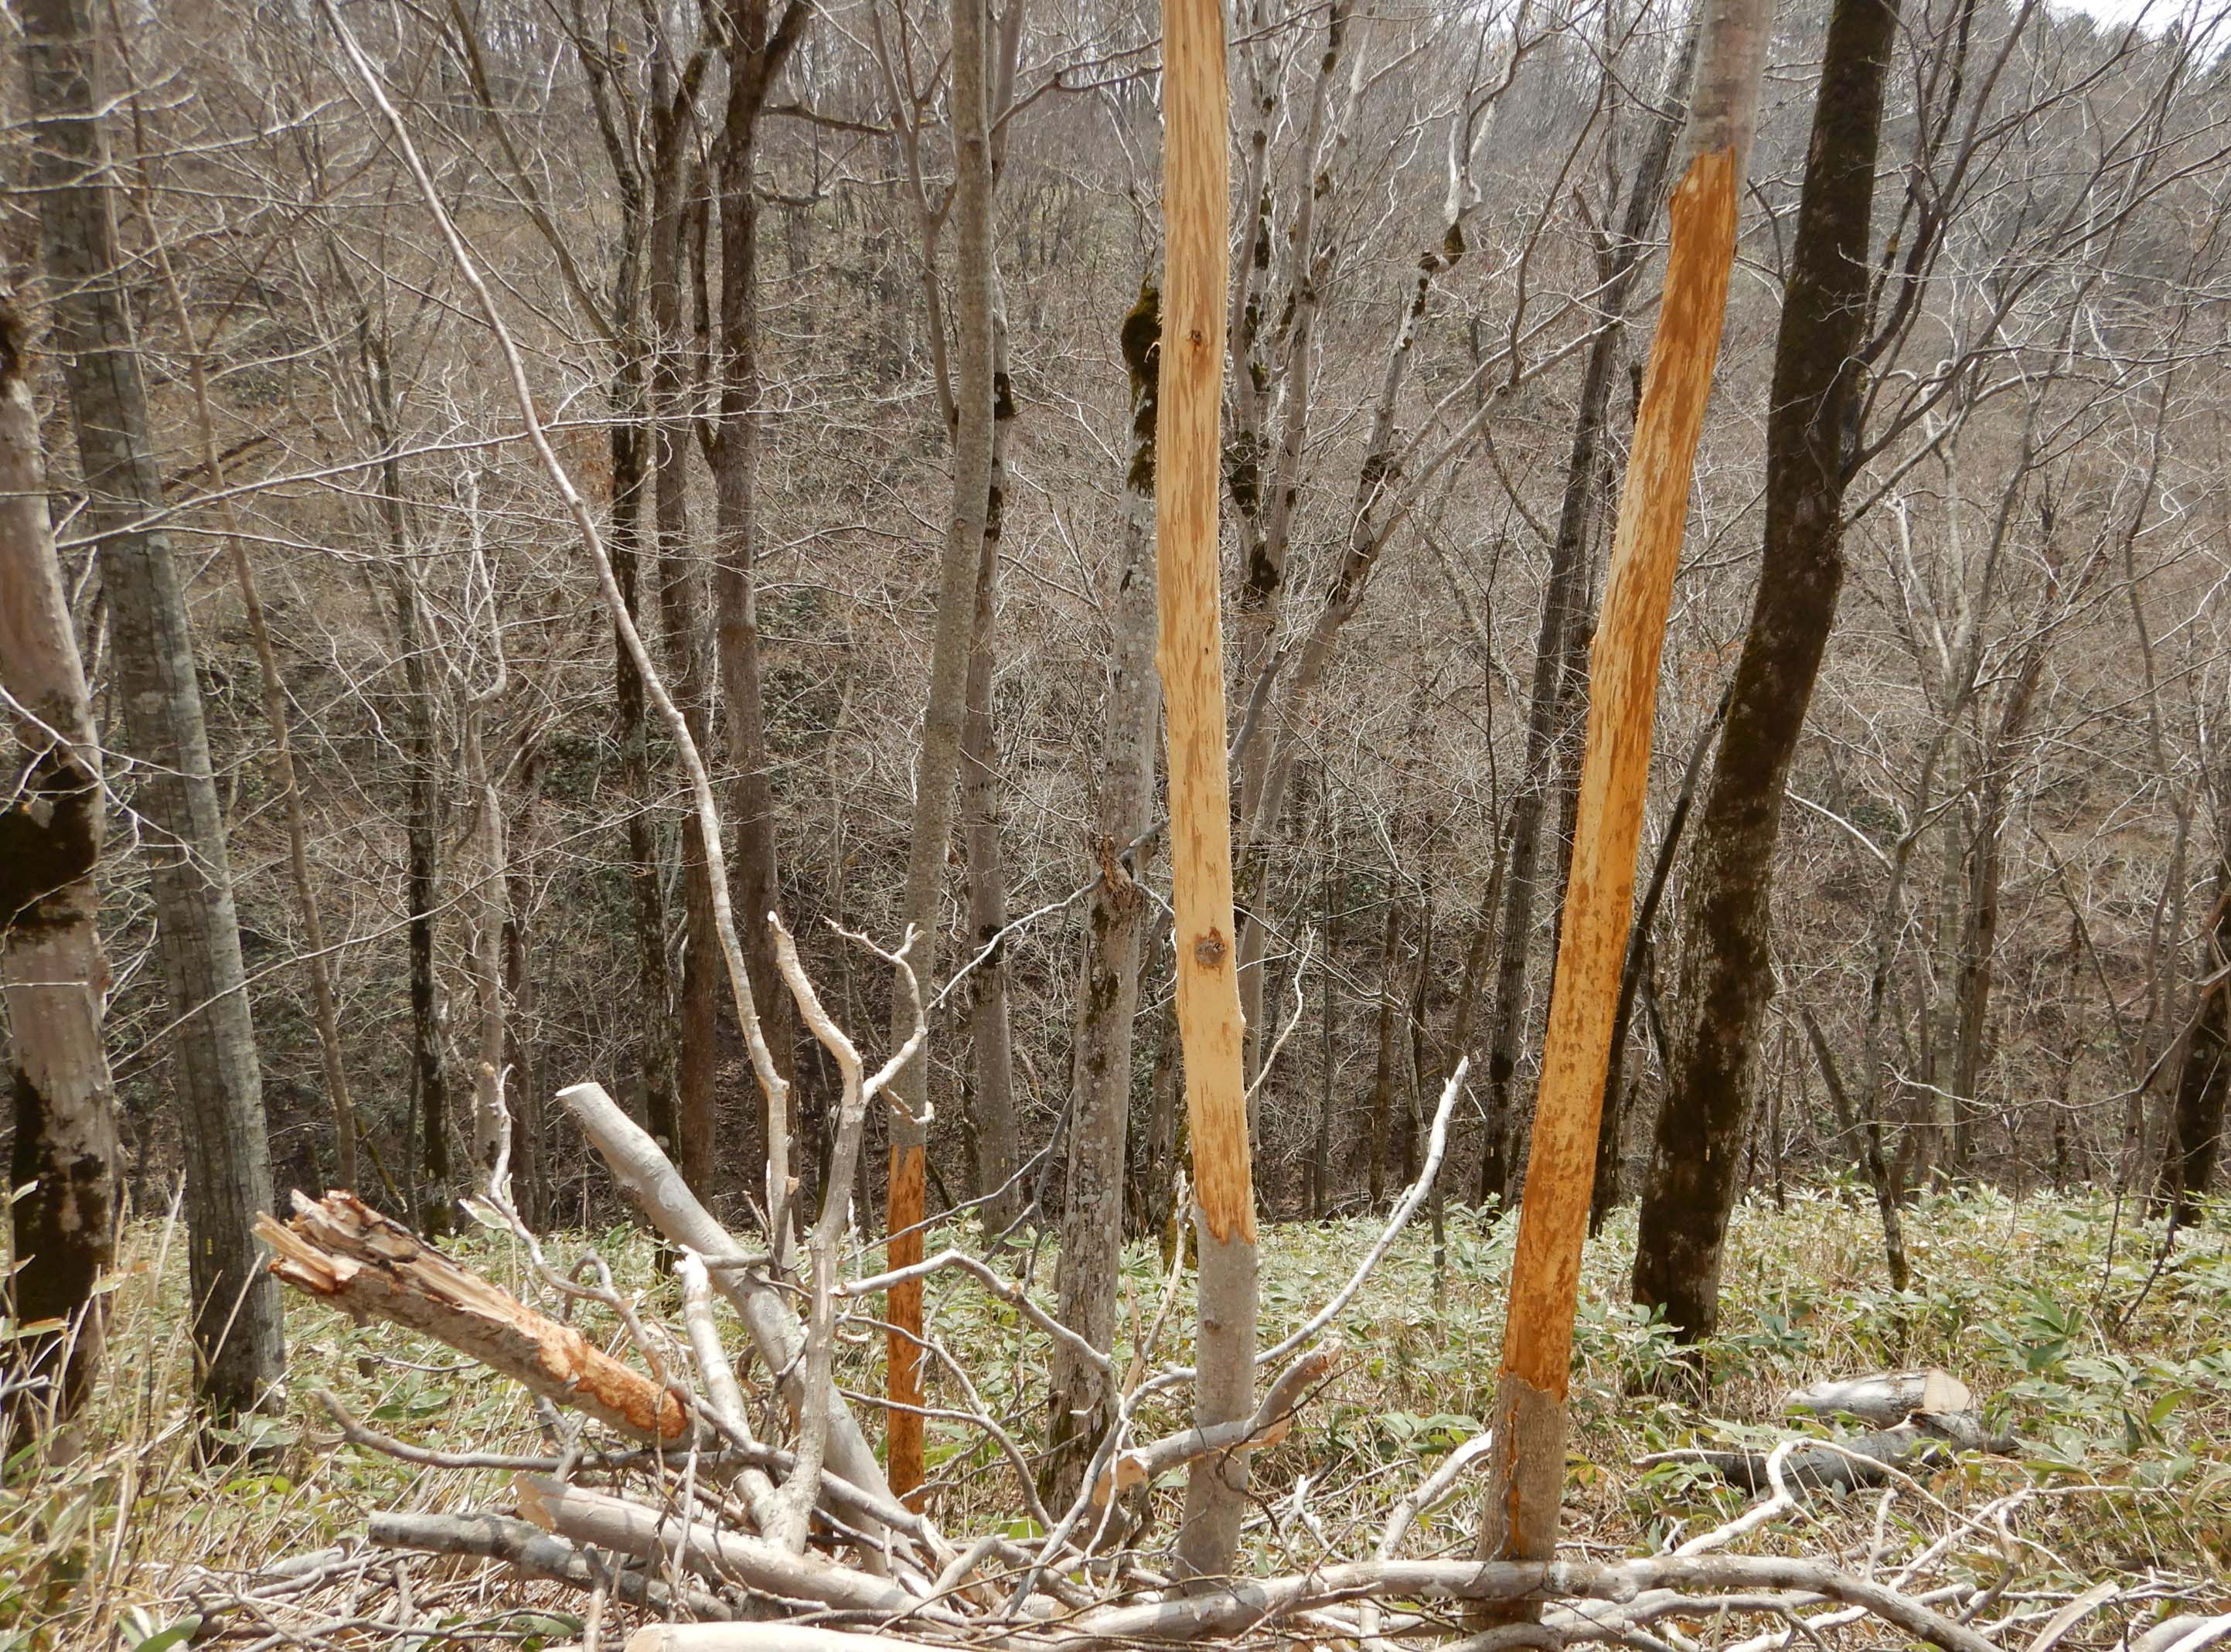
(755, 56)
(522, 1092)
(2203, 1079)
(937, 764)
(998, 1150)
(1087, 1271)
(682, 615)
(53, 974)
(1527, 1465)
(487, 900)
(324, 1001)
(1565, 598)
(1869, 1130)
(1727, 973)
(238, 1334)
(1321, 1153)
(1420, 1040)
(421, 833)
(1382, 1072)
(1630, 977)
(1190, 653)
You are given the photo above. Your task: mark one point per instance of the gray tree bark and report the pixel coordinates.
(238, 1334)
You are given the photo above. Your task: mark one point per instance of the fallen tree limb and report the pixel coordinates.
(649, 1178)
(537, 1554)
(1249, 1603)
(341, 1250)
(1855, 1460)
(759, 1566)
(1267, 1426)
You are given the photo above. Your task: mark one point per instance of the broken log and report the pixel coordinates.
(1885, 1399)
(341, 1250)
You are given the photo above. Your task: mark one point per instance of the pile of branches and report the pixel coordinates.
(754, 1517)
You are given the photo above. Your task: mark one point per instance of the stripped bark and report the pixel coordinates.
(1527, 1463)
(1190, 653)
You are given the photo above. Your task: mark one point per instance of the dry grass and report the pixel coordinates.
(2116, 1376)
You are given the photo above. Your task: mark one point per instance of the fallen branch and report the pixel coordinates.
(761, 1567)
(1269, 1424)
(340, 1249)
(536, 1552)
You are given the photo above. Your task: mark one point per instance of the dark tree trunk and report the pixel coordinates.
(757, 46)
(238, 1334)
(1727, 979)
(2196, 1125)
(1564, 602)
(1382, 1075)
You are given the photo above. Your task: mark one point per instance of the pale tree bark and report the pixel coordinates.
(1088, 1268)
(53, 972)
(1196, 212)
(757, 43)
(1527, 1462)
(238, 1335)
(937, 764)
(1727, 964)
(991, 1048)
(1564, 617)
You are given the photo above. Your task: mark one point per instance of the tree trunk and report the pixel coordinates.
(1321, 1152)
(1871, 1150)
(1527, 1464)
(1565, 598)
(1727, 972)
(756, 50)
(2196, 1125)
(1630, 978)
(53, 972)
(1190, 653)
(1382, 1072)
(990, 1047)
(238, 1334)
(937, 766)
(682, 613)
(1088, 1271)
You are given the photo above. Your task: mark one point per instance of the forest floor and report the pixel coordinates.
(2111, 1365)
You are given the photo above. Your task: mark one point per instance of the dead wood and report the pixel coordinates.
(725, 1557)
(340, 1249)
(537, 1554)
(1269, 1424)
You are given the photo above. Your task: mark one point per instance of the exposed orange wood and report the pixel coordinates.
(1527, 1458)
(342, 1250)
(902, 1213)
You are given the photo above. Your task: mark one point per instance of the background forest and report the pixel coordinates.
(757, 261)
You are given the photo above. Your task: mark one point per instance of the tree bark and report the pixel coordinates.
(1088, 1269)
(1196, 210)
(1726, 971)
(238, 1334)
(1382, 1072)
(681, 603)
(2204, 1078)
(937, 764)
(1565, 601)
(757, 46)
(53, 972)
(990, 1046)
(1527, 1460)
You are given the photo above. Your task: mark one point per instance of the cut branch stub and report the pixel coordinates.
(340, 1249)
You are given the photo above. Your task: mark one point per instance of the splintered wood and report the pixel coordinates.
(339, 1248)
